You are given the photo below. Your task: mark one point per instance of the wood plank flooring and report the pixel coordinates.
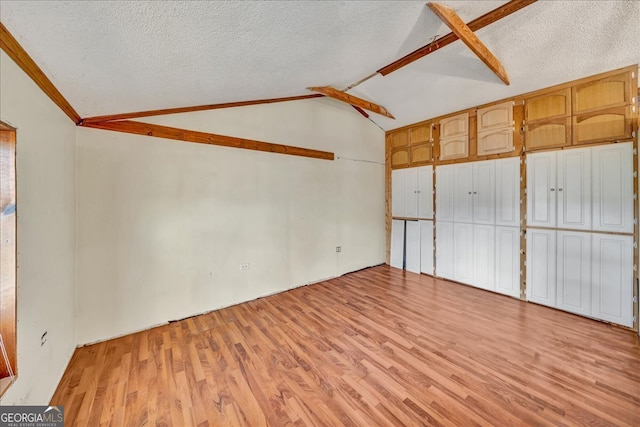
(373, 348)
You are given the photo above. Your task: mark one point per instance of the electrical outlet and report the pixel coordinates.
(244, 267)
(43, 338)
(338, 248)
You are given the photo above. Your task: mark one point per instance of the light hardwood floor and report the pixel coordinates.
(373, 348)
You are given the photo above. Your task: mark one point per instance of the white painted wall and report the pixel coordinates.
(163, 226)
(46, 235)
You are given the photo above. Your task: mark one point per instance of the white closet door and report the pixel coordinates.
(574, 188)
(484, 256)
(484, 188)
(444, 193)
(426, 247)
(412, 248)
(463, 253)
(411, 193)
(397, 192)
(541, 189)
(613, 187)
(541, 266)
(463, 193)
(444, 249)
(397, 243)
(508, 192)
(425, 192)
(508, 261)
(612, 277)
(573, 279)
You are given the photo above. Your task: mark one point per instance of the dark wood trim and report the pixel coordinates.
(350, 99)
(11, 46)
(361, 111)
(158, 131)
(481, 22)
(165, 111)
(468, 37)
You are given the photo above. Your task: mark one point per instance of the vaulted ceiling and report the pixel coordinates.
(114, 57)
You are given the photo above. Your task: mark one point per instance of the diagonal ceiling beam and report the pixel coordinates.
(353, 100)
(480, 22)
(158, 131)
(12, 48)
(469, 38)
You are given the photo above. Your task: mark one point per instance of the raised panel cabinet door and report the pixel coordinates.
(484, 257)
(614, 124)
(612, 278)
(541, 189)
(420, 134)
(554, 133)
(612, 187)
(444, 249)
(421, 154)
(573, 278)
(508, 192)
(399, 139)
(411, 193)
(444, 193)
(541, 266)
(454, 126)
(425, 192)
(495, 141)
(454, 148)
(548, 106)
(463, 253)
(426, 247)
(495, 116)
(397, 192)
(607, 92)
(573, 188)
(400, 158)
(412, 247)
(508, 261)
(484, 192)
(397, 243)
(463, 192)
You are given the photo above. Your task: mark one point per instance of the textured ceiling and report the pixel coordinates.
(114, 57)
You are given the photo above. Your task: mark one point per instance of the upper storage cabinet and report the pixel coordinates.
(411, 146)
(454, 137)
(604, 93)
(495, 129)
(399, 139)
(548, 106)
(548, 120)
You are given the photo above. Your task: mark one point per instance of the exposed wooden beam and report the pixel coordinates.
(469, 38)
(350, 99)
(361, 111)
(158, 131)
(481, 22)
(165, 111)
(11, 46)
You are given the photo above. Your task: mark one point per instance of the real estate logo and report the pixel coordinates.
(31, 416)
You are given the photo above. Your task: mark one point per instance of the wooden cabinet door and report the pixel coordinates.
(614, 124)
(541, 189)
(444, 193)
(508, 192)
(444, 249)
(463, 192)
(420, 134)
(608, 92)
(483, 185)
(573, 188)
(463, 253)
(410, 192)
(426, 247)
(612, 278)
(399, 139)
(425, 192)
(548, 106)
(551, 134)
(495, 117)
(454, 126)
(573, 277)
(399, 158)
(454, 148)
(412, 248)
(397, 243)
(454, 137)
(507, 261)
(541, 266)
(495, 141)
(612, 187)
(484, 256)
(421, 154)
